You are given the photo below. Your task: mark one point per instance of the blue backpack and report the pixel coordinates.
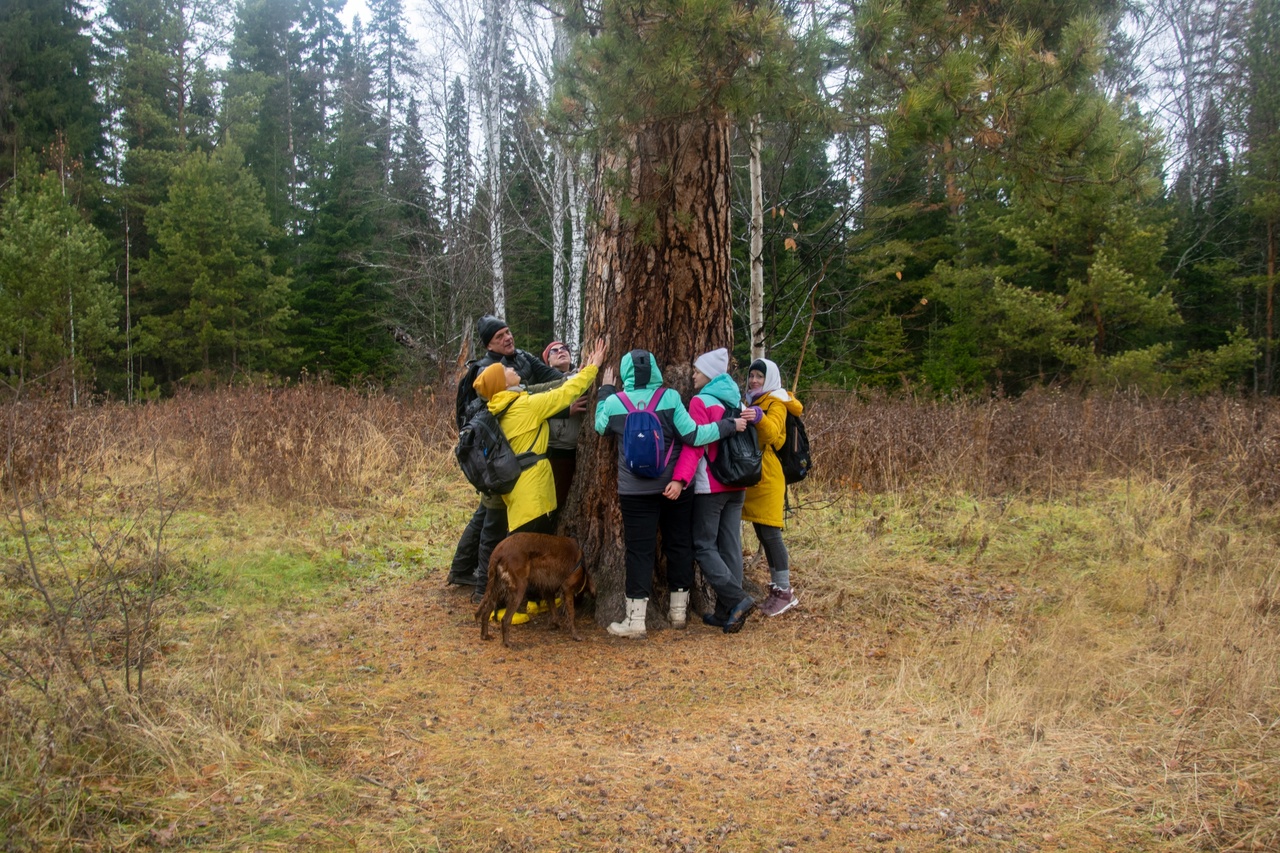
(642, 440)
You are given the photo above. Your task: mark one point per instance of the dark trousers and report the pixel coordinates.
(717, 544)
(542, 524)
(775, 550)
(562, 468)
(642, 517)
(487, 527)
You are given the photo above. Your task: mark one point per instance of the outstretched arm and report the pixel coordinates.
(693, 433)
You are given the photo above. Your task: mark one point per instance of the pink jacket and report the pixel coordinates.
(691, 467)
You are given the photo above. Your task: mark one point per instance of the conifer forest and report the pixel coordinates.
(949, 197)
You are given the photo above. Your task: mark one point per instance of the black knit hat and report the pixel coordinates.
(488, 326)
(759, 365)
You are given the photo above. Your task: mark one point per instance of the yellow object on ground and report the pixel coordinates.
(517, 618)
(533, 608)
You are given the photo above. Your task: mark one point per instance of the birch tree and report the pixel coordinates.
(493, 56)
(562, 170)
(756, 258)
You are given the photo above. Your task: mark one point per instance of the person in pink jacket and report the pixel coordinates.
(768, 404)
(717, 508)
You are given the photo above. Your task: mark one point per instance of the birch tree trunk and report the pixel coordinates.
(497, 21)
(756, 320)
(579, 188)
(559, 214)
(658, 280)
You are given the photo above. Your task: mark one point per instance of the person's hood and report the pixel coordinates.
(772, 381)
(640, 371)
(724, 389)
(502, 398)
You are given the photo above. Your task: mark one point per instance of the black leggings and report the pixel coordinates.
(774, 551)
(642, 517)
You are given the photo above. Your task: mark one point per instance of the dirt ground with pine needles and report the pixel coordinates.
(684, 740)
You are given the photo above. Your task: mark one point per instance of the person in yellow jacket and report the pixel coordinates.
(531, 504)
(767, 405)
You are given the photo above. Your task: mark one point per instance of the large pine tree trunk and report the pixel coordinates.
(657, 280)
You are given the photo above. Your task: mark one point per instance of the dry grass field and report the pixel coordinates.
(1045, 624)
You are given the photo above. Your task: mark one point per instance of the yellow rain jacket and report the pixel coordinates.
(766, 500)
(525, 427)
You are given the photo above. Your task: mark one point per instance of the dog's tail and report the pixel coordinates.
(485, 602)
(586, 575)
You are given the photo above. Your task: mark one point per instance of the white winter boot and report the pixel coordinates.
(679, 609)
(632, 624)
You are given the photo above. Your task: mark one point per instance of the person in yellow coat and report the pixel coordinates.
(531, 504)
(767, 405)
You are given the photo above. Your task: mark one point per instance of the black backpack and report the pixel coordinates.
(738, 459)
(794, 453)
(486, 457)
(466, 392)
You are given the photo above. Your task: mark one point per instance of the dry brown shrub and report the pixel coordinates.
(316, 442)
(306, 443)
(1044, 443)
(35, 441)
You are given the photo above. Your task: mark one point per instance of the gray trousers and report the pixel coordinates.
(717, 545)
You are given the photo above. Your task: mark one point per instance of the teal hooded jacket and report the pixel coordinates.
(641, 378)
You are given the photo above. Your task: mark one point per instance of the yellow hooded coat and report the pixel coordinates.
(524, 425)
(766, 501)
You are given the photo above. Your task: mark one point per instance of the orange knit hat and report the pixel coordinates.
(491, 380)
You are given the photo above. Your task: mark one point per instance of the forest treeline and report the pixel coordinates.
(958, 198)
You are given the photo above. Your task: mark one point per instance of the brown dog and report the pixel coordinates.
(536, 563)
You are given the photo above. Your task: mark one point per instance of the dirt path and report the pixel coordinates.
(687, 740)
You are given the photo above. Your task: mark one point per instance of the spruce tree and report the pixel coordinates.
(261, 99)
(342, 311)
(219, 311)
(48, 103)
(1006, 199)
(1262, 168)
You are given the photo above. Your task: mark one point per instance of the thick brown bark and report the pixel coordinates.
(658, 282)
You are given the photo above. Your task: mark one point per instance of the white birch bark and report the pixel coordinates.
(579, 186)
(497, 21)
(559, 286)
(756, 319)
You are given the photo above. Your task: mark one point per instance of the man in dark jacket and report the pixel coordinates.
(488, 524)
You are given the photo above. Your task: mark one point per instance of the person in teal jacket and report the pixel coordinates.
(645, 510)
